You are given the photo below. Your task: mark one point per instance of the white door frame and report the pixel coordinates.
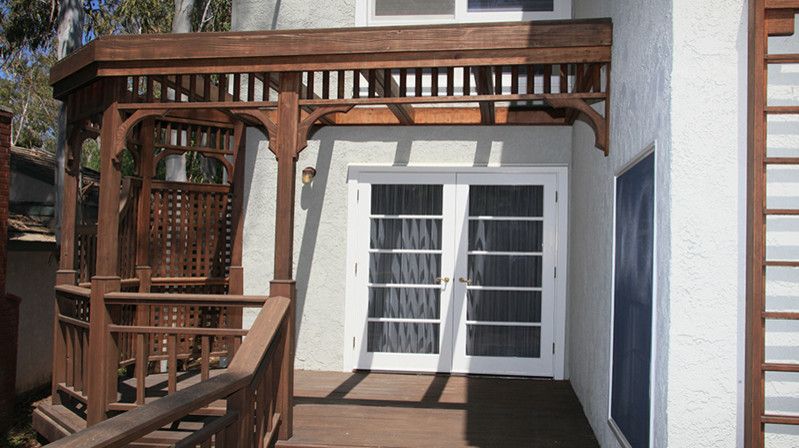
(356, 173)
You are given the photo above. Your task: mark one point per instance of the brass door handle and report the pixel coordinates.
(442, 279)
(468, 281)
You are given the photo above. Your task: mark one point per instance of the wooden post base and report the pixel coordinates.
(285, 394)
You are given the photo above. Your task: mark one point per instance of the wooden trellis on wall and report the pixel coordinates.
(766, 165)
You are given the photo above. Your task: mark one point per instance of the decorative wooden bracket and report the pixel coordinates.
(597, 122)
(121, 135)
(305, 124)
(262, 117)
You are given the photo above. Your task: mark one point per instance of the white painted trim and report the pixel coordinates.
(377, 173)
(562, 264)
(364, 15)
(651, 149)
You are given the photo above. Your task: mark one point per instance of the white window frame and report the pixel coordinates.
(364, 11)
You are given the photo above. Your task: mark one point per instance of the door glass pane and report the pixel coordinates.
(407, 199)
(404, 303)
(414, 7)
(494, 340)
(506, 200)
(403, 337)
(404, 268)
(405, 252)
(511, 5)
(406, 234)
(505, 270)
(506, 236)
(506, 241)
(504, 306)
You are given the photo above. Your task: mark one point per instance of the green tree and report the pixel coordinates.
(29, 46)
(26, 91)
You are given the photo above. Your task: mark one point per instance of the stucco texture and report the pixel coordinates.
(292, 14)
(31, 277)
(320, 245)
(664, 92)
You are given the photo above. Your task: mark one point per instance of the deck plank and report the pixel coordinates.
(401, 410)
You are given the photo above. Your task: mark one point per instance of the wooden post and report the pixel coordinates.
(67, 274)
(144, 271)
(285, 146)
(236, 281)
(754, 406)
(103, 353)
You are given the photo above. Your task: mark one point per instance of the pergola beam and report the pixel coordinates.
(299, 49)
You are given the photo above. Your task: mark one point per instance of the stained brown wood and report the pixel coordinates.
(343, 41)
(764, 20)
(427, 116)
(484, 87)
(394, 410)
(143, 420)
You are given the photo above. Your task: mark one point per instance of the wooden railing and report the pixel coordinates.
(179, 336)
(251, 386)
(71, 356)
(184, 330)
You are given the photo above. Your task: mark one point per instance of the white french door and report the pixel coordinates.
(454, 272)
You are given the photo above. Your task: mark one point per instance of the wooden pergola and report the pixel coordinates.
(162, 247)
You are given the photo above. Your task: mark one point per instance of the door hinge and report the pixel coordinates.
(556, 196)
(357, 196)
(356, 269)
(353, 342)
(556, 272)
(553, 348)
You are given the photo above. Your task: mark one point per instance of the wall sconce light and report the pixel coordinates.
(308, 173)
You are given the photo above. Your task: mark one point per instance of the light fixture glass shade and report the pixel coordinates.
(308, 174)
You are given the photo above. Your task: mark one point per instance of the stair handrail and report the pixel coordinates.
(262, 348)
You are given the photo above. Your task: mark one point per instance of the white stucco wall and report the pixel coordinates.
(708, 223)
(292, 14)
(679, 80)
(639, 116)
(320, 246)
(30, 276)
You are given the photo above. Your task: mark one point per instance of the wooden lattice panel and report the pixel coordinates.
(85, 252)
(127, 229)
(190, 227)
(188, 316)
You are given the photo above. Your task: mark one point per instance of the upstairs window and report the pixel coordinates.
(396, 12)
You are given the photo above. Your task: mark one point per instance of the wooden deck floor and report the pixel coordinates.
(335, 409)
(399, 410)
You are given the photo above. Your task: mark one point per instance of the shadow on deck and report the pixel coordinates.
(406, 410)
(337, 409)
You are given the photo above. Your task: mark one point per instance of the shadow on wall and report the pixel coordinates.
(418, 145)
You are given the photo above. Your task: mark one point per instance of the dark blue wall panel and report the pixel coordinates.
(632, 316)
